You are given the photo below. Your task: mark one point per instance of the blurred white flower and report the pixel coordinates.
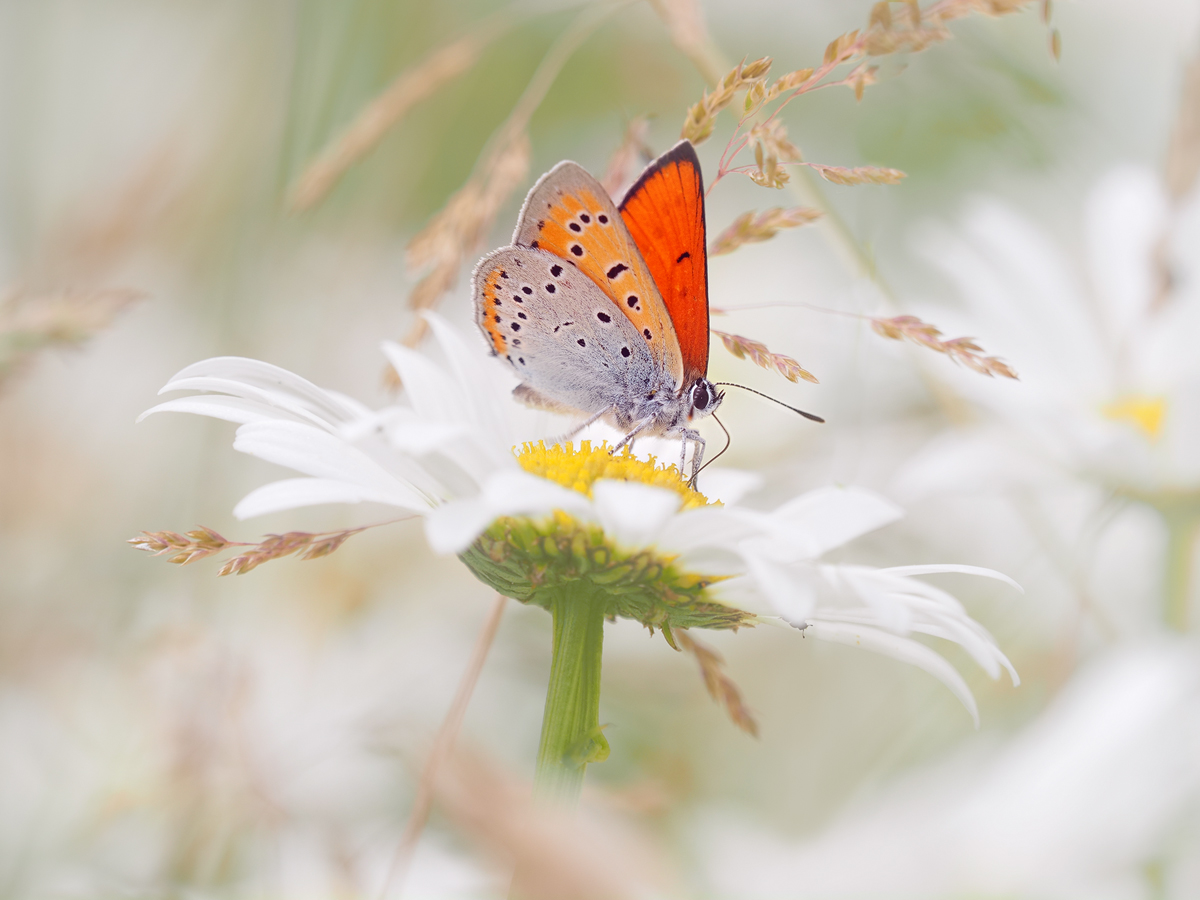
(448, 456)
(1109, 368)
(1079, 804)
(1109, 400)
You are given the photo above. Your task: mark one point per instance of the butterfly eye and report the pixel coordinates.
(700, 396)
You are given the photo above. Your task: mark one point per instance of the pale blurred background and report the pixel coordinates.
(164, 732)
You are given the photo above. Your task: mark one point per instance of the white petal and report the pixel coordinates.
(900, 648)
(1126, 214)
(419, 437)
(452, 527)
(695, 530)
(478, 378)
(743, 592)
(217, 406)
(633, 515)
(433, 394)
(244, 377)
(885, 603)
(730, 485)
(293, 493)
(820, 520)
(936, 569)
(518, 493)
(314, 452)
(794, 598)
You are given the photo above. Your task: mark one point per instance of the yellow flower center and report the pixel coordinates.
(535, 559)
(1144, 413)
(580, 469)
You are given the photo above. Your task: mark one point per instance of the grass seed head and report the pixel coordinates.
(717, 682)
(962, 350)
(752, 228)
(757, 353)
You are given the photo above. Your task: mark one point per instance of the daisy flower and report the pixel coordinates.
(1106, 352)
(582, 532)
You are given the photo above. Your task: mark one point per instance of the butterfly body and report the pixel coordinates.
(578, 312)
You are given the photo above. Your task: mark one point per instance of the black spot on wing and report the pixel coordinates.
(682, 256)
(584, 218)
(625, 352)
(616, 270)
(646, 333)
(602, 219)
(550, 289)
(604, 317)
(576, 227)
(556, 271)
(581, 342)
(515, 327)
(527, 290)
(577, 250)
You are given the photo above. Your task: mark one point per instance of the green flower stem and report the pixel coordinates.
(571, 736)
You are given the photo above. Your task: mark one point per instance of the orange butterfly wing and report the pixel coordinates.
(664, 211)
(570, 214)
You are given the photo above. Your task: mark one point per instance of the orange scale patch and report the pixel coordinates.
(491, 290)
(605, 252)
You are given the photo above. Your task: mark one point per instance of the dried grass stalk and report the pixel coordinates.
(757, 353)
(892, 28)
(624, 163)
(905, 27)
(961, 350)
(31, 322)
(772, 150)
(559, 854)
(858, 174)
(457, 232)
(198, 544)
(1183, 153)
(751, 228)
(384, 113)
(719, 685)
(204, 542)
(702, 117)
(443, 745)
(689, 32)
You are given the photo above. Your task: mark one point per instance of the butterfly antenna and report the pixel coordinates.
(713, 459)
(806, 415)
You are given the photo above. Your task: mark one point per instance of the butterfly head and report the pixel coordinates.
(704, 399)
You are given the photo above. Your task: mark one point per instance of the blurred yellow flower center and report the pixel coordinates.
(1144, 413)
(579, 469)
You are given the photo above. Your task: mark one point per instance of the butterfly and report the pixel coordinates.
(602, 310)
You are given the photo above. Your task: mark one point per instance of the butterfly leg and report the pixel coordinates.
(628, 439)
(564, 438)
(689, 434)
